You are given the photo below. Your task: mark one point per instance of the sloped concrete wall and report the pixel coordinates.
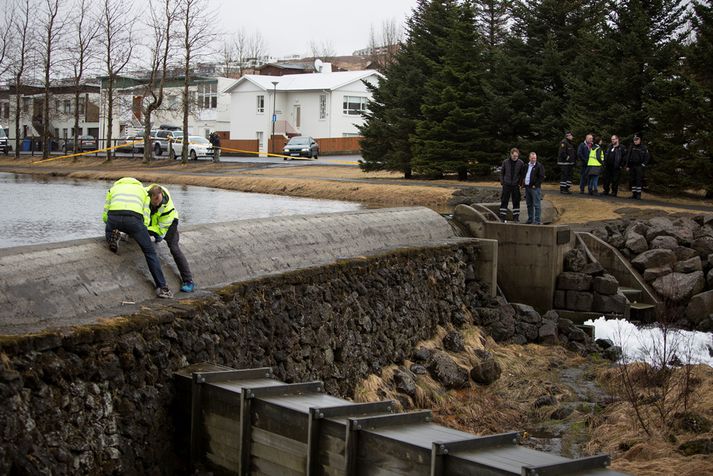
(76, 281)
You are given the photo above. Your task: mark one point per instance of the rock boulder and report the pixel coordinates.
(678, 287)
(653, 259)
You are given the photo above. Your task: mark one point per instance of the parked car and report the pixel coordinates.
(197, 147)
(160, 139)
(84, 143)
(4, 141)
(132, 143)
(301, 146)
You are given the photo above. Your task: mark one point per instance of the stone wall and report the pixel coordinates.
(97, 400)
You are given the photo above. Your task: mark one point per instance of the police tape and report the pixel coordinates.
(89, 152)
(268, 154)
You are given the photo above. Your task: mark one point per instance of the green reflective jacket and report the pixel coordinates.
(164, 215)
(127, 194)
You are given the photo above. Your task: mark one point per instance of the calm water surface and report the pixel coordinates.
(39, 209)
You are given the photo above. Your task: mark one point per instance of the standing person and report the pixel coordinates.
(215, 140)
(126, 209)
(164, 225)
(534, 177)
(614, 161)
(594, 166)
(511, 174)
(636, 159)
(583, 158)
(565, 161)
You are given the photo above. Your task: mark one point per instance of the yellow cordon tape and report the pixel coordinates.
(269, 154)
(86, 153)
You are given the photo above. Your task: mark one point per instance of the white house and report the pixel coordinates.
(318, 104)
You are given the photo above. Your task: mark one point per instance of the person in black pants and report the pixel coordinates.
(636, 159)
(614, 161)
(512, 173)
(565, 160)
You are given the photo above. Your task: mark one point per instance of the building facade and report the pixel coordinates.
(320, 105)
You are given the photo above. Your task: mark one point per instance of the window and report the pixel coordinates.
(57, 107)
(6, 110)
(26, 104)
(260, 104)
(322, 106)
(354, 105)
(81, 106)
(67, 106)
(208, 95)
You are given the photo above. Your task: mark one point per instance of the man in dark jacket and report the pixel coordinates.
(582, 159)
(511, 175)
(534, 176)
(636, 159)
(614, 161)
(565, 160)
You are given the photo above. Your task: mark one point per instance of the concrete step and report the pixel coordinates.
(632, 294)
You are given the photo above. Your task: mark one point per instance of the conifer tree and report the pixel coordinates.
(396, 103)
(448, 137)
(700, 73)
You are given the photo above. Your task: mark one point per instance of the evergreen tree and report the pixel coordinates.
(699, 61)
(491, 19)
(396, 104)
(556, 36)
(448, 138)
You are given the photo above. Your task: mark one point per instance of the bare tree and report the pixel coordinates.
(51, 29)
(6, 39)
(255, 47)
(198, 31)
(233, 54)
(22, 33)
(384, 45)
(84, 34)
(160, 26)
(117, 41)
(324, 50)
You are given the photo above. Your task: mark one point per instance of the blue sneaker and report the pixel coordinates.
(188, 287)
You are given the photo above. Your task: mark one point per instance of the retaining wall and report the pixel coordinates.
(97, 400)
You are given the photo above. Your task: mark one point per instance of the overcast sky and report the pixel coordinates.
(290, 26)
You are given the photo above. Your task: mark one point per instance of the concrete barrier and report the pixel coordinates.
(529, 257)
(77, 281)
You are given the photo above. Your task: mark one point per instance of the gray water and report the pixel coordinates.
(41, 209)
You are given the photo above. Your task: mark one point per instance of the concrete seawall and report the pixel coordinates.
(76, 282)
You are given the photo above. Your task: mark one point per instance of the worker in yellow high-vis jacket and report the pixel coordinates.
(127, 210)
(164, 225)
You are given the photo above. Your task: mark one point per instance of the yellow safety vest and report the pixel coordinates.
(127, 194)
(162, 218)
(595, 157)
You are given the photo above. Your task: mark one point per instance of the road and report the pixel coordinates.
(343, 160)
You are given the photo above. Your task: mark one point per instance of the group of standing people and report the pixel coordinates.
(142, 213)
(596, 162)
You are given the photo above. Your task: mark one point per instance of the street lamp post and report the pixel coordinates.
(274, 113)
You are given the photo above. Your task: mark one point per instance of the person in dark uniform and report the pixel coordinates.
(582, 160)
(614, 161)
(637, 159)
(565, 160)
(512, 174)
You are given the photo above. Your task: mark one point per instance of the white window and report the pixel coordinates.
(354, 105)
(260, 104)
(322, 106)
(67, 106)
(208, 95)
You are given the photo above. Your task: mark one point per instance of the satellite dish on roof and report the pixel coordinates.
(318, 65)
